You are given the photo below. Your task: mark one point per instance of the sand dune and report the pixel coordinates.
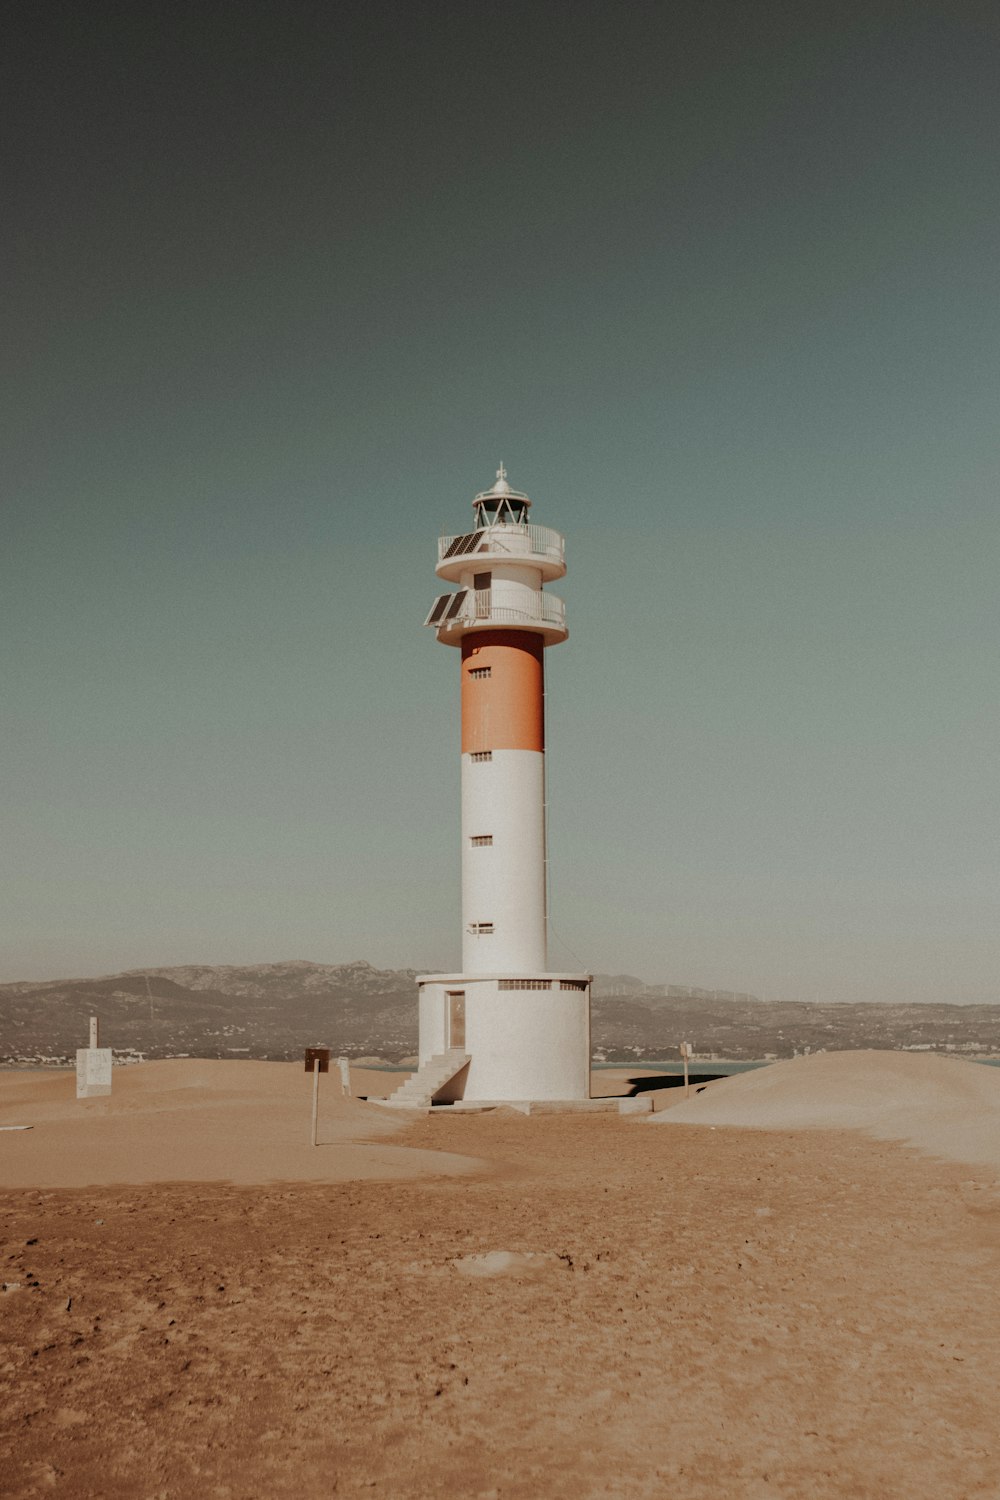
(947, 1106)
(199, 1120)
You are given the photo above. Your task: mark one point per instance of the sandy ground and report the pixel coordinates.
(201, 1120)
(945, 1105)
(600, 1308)
(195, 1120)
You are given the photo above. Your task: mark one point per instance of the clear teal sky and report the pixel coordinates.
(716, 281)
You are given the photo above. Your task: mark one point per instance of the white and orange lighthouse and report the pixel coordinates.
(505, 1028)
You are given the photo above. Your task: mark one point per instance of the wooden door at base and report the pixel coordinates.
(456, 1017)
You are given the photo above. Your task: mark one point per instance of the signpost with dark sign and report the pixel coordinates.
(317, 1062)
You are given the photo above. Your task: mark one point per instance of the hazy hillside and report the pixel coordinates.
(263, 1010)
(274, 1010)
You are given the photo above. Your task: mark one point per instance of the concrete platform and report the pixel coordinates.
(642, 1104)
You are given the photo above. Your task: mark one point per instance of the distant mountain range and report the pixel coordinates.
(274, 1010)
(258, 1010)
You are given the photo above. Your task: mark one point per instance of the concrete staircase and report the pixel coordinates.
(420, 1088)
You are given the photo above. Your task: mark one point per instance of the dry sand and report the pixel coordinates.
(195, 1120)
(598, 1309)
(947, 1106)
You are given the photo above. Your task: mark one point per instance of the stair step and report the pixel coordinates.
(420, 1088)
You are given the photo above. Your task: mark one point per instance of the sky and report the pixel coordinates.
(283, 284)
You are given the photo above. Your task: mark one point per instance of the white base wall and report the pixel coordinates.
(523, 1044)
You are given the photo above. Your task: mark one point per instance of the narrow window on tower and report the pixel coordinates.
(482, 755)
(480, 671)
(481, 840)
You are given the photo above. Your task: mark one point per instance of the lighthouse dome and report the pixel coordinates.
(501, 505)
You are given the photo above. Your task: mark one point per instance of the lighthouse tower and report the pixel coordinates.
(505, 1028)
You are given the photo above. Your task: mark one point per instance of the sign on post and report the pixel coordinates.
(317, 1062)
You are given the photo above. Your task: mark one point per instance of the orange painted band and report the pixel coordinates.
(503, 680)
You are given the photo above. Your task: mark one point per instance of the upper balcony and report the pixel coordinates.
(538, 546)
(455, 615)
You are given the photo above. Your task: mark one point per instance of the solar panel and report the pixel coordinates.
(470, 541)
(456, 604)
(437, 609)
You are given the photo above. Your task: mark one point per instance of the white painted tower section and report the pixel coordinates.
(503, 882)
(516, 1030)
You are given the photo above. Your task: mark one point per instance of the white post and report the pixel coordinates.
(315, 1115)
(685, 1050)
(95, 1026)
(345, 1075)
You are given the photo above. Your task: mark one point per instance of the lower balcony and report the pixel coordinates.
(454, 615)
